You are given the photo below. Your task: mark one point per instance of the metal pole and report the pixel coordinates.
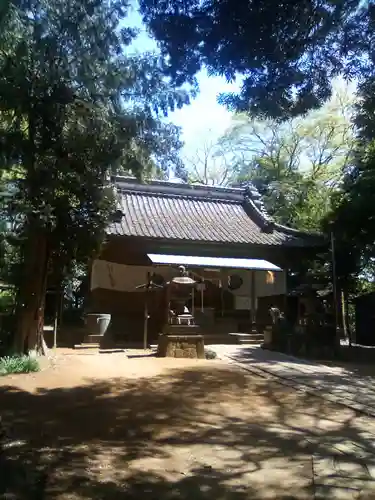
(334, 287)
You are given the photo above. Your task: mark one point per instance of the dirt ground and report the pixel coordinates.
(107, 426)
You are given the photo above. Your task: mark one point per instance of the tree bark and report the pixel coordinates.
(29, 337)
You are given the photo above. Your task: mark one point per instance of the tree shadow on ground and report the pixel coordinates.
(199, 433)
(344, 383)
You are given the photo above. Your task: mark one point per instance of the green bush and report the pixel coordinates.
(7, 328)
(18, 364)
(6, 301)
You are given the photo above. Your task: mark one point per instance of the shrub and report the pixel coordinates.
(210, 354)
(7, 328)
(6, 301)
(18, 364)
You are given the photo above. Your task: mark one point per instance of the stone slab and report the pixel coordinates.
(181, 346)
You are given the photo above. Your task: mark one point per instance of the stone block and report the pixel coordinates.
(181, 346)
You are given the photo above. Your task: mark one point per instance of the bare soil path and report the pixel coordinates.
(104, 426)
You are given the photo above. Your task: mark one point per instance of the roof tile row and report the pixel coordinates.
(191, 216)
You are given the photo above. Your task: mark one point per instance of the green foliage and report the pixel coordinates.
(7, 300)
(18, 364)
(75, 107)
(286, 52)
(297, 164)
(353, 212)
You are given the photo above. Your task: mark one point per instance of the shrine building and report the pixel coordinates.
(238, 256)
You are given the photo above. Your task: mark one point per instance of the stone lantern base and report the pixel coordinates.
(181, 346)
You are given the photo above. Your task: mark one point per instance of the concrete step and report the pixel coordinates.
(218, 338)
(87, 345)
(183, 330)
(92, 339)
(248, 338)
(251, 341)
(115, 346)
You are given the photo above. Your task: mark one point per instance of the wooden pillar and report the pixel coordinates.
(145, 321)
(61, 308)
(202, 287)
(168, 303)
(253, 302)
(87, 294)
(56, 319)
(145, 324)
(285, 301)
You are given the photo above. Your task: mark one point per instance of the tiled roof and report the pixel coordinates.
(198, 213)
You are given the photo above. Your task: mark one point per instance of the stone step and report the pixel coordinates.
(183, 330)
(218, 338)
(87, 345)
(114, 346)
(92, 339)
(248, 338)
(250, 341)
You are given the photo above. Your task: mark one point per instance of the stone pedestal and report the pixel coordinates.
(181, 346)
(267, 336)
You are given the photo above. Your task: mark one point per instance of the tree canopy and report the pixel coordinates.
(286, 52)
(75, 107)
(353, 215)
(296, 164)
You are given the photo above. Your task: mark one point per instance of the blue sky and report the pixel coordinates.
(204, 119)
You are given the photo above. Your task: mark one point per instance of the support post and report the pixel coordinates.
(61, 308)
(145, 325)
(253, 306)
(57, 307)
(221, 297)
(285, 299)
(334, 288)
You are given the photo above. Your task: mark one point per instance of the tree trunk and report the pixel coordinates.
(29, 337)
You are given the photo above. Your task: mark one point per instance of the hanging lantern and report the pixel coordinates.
(270, 278)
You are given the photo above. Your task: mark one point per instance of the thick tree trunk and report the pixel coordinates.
(30, 319)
